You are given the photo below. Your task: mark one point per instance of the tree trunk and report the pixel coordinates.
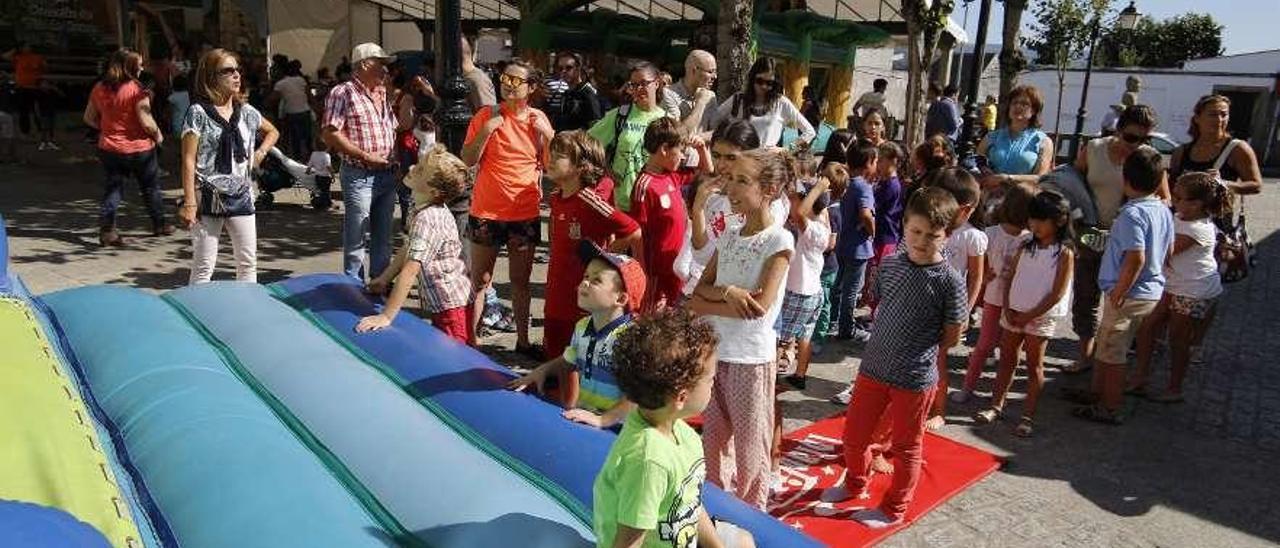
(1011, 59)
(922, 45)
(1057, 118)
(733, 45)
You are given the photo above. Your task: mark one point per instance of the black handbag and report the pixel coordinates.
(223, 195)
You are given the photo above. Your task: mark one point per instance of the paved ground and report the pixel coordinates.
(1197, 474)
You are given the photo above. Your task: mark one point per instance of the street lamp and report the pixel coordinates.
(1127, 20)
(969, 133)
(453, 114)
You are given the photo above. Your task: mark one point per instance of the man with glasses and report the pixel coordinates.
(579, 106)
(359, 125)
(692, 96)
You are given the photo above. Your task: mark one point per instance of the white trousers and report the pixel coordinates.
(244, 247)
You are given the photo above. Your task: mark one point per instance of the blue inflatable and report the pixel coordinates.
(222, 469)
(34, 526)
(469, 385)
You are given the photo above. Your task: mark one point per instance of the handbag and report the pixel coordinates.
(1234, 250)
(225, 195)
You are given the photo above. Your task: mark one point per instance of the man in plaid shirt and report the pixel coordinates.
(359, 125)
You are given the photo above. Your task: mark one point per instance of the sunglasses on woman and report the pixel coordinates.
(228, 71)
(639, 85)
(1135, 139)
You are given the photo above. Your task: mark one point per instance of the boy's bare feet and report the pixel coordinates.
(881, 465)
(874, 518)
(934, 423)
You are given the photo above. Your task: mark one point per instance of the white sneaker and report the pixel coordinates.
(43, 146)
(844, 397)
(54, 146)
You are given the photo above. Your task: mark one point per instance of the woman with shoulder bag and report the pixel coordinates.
(1233, 162)
(217, 157)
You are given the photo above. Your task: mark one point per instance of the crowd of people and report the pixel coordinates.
(694, 262)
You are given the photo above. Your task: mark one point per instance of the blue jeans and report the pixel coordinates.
(369, 200)
(844, 299)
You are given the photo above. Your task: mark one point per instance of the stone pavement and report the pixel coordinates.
(1201, 473)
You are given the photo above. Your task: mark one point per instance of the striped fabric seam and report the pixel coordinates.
(519, 467)
(159, 525)
(345, 477)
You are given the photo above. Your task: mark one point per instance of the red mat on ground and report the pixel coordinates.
(813, 461)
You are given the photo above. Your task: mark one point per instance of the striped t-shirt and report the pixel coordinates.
(916, 302)
(590, 352)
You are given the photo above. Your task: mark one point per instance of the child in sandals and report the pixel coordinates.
(1036, 299)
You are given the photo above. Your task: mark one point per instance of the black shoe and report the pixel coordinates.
(797, 381)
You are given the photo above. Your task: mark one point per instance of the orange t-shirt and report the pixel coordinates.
(507, 186)
(28, 69)
(122, 131)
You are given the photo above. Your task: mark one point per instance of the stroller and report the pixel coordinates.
(279, 172)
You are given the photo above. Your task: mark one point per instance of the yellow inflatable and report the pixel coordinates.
(49, 451)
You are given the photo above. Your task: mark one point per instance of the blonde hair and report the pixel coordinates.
(583, 151)
(437, 169)
(205, 85)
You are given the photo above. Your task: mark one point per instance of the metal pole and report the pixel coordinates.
(968, 134)
(1084, 92)
(454, 114)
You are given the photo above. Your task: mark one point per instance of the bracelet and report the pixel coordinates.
(188, 205)
(724, 297)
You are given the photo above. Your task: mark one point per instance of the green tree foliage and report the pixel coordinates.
(1162, 44)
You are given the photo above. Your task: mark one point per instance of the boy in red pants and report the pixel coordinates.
(922, 308)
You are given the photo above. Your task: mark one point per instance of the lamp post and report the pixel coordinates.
(1127, 20)
(969, 132)
(453, 114)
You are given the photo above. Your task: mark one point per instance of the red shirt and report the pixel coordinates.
(583, 216)
(657, 203)
(121, 128)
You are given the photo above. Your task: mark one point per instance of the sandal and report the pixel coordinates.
(1098, 413)
(1082, 396)
(109, 237)
(988, 415)
(1077, 367)
(1025, 428)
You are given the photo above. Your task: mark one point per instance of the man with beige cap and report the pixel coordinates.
(359, 125)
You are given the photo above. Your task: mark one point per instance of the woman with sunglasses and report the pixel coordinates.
(218, 138)
(621, 131)
(763, 105)
(120, 109)
(1101, 161)
(508, 145)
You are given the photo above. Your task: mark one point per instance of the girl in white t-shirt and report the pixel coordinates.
(710, 214)
(741, 292)
(1036, 299)
(1192, 283)
(1004, 239)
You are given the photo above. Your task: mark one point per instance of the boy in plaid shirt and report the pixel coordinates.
(433, 253)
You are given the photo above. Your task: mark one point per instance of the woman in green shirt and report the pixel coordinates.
(623, 139)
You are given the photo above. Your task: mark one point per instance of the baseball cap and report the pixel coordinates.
(368, 50)
(633, 277)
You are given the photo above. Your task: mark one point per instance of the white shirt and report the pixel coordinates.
(320, 163)
(740, 263)
(1034, 280)
(1194, 272)
(720, 219)
(965, 242)
(805, 273)
(1000, 249)
(769, 126)
(293, 95)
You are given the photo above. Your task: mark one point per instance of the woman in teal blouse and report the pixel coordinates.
(1018, 151)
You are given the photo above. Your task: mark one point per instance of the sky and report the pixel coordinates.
(1249, 25)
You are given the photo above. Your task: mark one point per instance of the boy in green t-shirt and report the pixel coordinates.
(649, 491)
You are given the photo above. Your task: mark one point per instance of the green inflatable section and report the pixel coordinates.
(49, 452)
